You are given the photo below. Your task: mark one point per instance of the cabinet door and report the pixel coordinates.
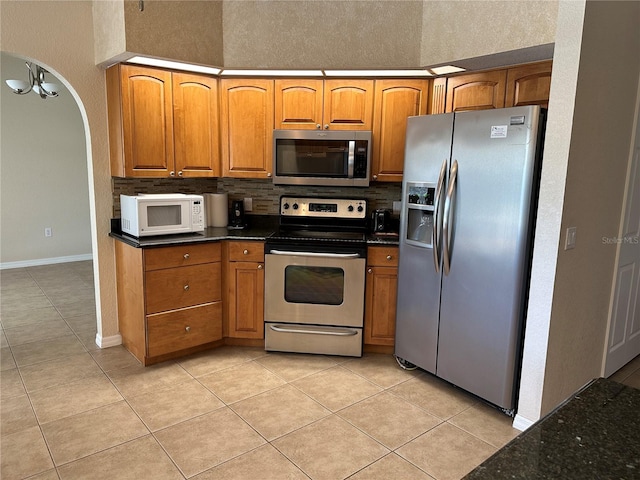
(528, 85)
(380, 305)
(348, 104)
(173, 288)
(298, 104)
(195, 122)
(476, 91)
(246, 300)
(176, 330)
(147, 121)
(247, 127)
(395, 100)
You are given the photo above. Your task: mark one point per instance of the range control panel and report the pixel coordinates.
(349, 208)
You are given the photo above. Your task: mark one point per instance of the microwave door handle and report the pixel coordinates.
(351, 159)
(316, 254)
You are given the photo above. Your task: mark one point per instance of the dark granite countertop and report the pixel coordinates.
(594, 435)
(259, 227)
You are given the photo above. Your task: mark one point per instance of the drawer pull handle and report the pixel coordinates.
(186, 287)
(246, 252)
(186, 256)
(389, 257)
(187, 329)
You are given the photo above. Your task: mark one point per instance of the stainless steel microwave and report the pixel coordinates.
(311, 157)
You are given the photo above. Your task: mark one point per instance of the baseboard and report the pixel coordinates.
(106, 342)
(45, 261)
(521, 423)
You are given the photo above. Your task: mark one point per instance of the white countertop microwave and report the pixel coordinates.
(161, 214)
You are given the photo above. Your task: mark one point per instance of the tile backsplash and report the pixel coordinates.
(265, 194)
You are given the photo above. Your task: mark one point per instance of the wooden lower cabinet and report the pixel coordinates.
(169, 299)
(244, 289)
(380, 296)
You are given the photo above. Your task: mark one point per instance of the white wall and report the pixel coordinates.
(595, 78)
(60, 34)
(43, 175)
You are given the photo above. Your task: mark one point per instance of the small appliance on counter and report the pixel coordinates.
(236, 219)
(382, 223)
(161, 214)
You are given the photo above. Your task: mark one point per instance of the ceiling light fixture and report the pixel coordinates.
(271, 73)
(36, 83)
(378, 73)
(446, 69)
(159, 62)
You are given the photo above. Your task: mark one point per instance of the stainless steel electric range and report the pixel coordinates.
(315, 277)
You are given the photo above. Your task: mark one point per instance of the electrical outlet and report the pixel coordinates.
(48, 232)
(248, 204)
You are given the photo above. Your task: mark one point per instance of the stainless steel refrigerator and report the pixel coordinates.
(468, 207)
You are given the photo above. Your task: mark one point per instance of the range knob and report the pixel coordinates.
(360, 208)
(295, 206)
(286, 206)
(350, 208)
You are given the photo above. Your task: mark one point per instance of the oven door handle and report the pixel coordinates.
(316, 254)
(314, 331)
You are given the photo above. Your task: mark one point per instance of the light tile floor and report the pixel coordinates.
(70, 410)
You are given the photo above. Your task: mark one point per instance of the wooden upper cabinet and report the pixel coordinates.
(298, 104)
(162, 123)
(147, 121)
(395, 101)
(348, 104)
(476, 91)
(312, 104)
(195, 123)
(528, 85)
(438, 96)
(246, 126)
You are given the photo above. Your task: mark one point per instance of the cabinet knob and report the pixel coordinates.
(180, 173)
(268, 174)
(245, 252)
(389, 257)
(187, 328)
(186, 288)
(375, 177)
(326, 126)
(318, 126)
(172, 173)
(259, 266)
(186, 256)
(369, 271)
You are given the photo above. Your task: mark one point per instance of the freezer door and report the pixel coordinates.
(428, 147)
(484, 291)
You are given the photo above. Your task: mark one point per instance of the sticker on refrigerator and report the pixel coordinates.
(499, 131)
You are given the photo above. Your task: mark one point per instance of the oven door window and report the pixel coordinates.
(312, 158)
(314, 285)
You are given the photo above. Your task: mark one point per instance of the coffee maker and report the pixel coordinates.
(236, 219)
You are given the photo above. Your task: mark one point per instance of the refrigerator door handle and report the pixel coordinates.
(447, 226)
(436, 216)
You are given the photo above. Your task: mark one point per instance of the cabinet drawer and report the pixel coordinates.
(246, 251)
(185, 328)
(383, 256)
(181, 255)
(173, 288)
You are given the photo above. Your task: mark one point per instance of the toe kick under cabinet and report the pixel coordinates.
(169, 299)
